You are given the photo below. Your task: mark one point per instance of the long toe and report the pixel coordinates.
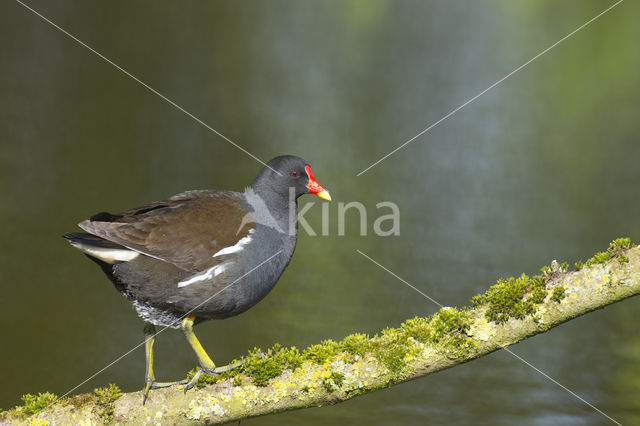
(212, 372)
(152, 384)
(145, 391)
(227, 367)
(191, 383)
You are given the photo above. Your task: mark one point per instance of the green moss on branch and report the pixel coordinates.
(282, 378)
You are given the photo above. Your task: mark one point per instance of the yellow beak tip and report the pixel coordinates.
(325, 195)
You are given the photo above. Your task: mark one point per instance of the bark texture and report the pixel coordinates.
(345, 375)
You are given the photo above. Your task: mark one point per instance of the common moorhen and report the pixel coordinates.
(202, 254)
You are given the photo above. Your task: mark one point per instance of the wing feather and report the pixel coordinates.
(185, 230)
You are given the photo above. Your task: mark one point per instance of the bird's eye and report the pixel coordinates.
(294, 173)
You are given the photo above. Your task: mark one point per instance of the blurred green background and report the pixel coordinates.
(542, 167)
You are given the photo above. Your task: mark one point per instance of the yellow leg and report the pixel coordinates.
(206, 364)
(149, 377)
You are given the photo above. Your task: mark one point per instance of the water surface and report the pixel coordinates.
(542, 167)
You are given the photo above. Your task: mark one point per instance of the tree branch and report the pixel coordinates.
(286, 379)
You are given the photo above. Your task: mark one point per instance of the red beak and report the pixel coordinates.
(314, 187)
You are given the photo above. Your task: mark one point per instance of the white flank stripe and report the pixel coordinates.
(208, 274)
(237, 246)
(106, 254)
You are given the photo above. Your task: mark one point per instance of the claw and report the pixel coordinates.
(224, 368)
(152, 384)
(145, 391)
(149, 377)
(193, 380)
(212, 372)
(206, 364)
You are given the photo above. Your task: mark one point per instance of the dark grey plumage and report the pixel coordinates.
(210, 254)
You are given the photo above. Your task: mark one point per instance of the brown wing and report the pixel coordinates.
(185, 230)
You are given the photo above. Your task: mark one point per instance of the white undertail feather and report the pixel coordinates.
(108, 255)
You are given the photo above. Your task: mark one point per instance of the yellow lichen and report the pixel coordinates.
(482, 329)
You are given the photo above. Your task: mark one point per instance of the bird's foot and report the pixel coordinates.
(222, 369)
(210, 371)
(152, 384)
(191, 383)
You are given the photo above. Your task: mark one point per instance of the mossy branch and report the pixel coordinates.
(283, 379)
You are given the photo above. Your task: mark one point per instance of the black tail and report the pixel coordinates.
(85, 242)
(85, 239)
